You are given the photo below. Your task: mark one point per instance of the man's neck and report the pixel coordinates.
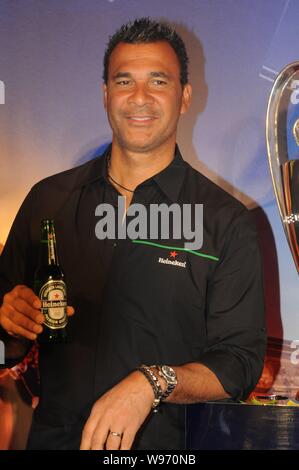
(130, 169)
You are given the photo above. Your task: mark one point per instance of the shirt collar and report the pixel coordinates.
(97, 171)
(169, 180)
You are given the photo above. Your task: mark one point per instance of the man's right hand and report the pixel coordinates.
(20, 315)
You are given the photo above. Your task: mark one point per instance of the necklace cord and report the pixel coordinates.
(112, 179)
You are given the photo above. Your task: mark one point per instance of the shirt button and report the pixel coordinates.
(114, 244)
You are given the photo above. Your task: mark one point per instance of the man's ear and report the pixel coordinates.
(104, 88)
(186, 98)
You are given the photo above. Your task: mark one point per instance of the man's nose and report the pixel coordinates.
(141, 95)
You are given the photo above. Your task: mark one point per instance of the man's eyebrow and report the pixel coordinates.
(122, 75)
(158, 74)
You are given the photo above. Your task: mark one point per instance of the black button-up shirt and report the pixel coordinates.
(133, 308)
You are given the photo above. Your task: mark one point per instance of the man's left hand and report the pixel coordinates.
(117, 416)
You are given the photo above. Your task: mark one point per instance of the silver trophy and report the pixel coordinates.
(282, 134)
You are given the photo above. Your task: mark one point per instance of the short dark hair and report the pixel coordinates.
(146, 30)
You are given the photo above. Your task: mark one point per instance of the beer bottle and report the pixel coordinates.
(50, 287)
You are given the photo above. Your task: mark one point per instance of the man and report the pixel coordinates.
(196, 324)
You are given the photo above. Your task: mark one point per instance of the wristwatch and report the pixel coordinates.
(169, 375)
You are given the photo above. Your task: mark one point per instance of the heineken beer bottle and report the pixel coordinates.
(50, 287)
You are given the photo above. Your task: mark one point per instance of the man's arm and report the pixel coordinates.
(124, 408)
(196, 383)
(15, 266)
(20, 316)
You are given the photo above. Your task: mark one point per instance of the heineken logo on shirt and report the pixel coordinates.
(174, 250)
(173, 261)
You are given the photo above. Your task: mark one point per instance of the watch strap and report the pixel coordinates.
(170, 384)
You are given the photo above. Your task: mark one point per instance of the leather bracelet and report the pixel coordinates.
(155, 384)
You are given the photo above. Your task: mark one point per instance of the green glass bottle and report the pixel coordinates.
(50, 287)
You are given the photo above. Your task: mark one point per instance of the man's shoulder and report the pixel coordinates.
(71, 179)
(224, 216)
(205, 191)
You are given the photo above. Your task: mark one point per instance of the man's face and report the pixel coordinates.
(143, 96)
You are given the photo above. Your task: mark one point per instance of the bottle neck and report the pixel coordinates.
(48, 253)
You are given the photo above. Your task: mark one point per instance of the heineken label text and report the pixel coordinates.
(53, 297)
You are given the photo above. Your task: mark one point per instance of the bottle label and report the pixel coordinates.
(53, 297)
(51, 245)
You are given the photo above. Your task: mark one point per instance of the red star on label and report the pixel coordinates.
(173, 254)
(56, 296)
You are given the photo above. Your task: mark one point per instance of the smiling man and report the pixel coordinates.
(144, 98)
(156, 326)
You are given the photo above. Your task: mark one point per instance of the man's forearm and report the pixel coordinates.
(196, 383)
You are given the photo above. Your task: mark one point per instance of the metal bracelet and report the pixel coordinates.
(170, 387)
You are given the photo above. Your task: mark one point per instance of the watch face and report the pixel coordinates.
(169, 372)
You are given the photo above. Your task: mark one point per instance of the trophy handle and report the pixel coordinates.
(284, 171)
(276, 115)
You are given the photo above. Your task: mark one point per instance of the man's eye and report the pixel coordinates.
(123, 82)
(159, 82)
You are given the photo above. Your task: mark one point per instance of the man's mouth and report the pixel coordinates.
(141, 118)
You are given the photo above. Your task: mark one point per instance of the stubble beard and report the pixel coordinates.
(142, 145)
